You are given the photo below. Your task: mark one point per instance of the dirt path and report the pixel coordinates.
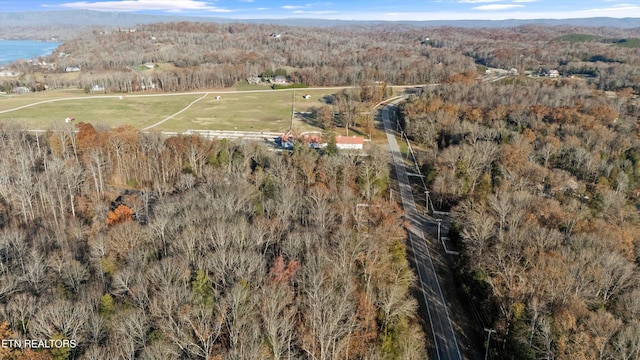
(178, 113)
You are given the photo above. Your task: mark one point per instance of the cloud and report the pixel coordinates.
(327, 12)
(497, 7)
(478, 1)
(139, 5)
(631, 9)
(306, 8)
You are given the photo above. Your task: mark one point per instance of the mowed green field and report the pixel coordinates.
(107, 110)
(13, 101)
(247, 111)
(244, 111)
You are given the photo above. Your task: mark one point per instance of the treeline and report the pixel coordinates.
(544, 179)
(205, 55)
(136, 246)
(542, 48)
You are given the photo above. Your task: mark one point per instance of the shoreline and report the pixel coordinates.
(13, 50)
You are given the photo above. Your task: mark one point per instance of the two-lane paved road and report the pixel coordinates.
(444, 339)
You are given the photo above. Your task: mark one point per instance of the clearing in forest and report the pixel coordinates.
(112, 111)
(250, 111)
(225, 110)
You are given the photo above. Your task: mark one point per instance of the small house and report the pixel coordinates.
(554, 73)
(97, 88)
(349, 142)
(280, 80)
(21, 90)
(9, 73)
(254, 80)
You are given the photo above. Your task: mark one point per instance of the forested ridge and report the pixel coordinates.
(544, 180)
(204, 55)
(136, 246)
(190, 56)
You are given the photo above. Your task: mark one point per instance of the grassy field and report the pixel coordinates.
(108, 110)
(245, 111)
(629, 43)
(248, 111)
(14, 101)
(244, 86)
(574, 38)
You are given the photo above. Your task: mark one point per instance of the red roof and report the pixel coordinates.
(359, 140)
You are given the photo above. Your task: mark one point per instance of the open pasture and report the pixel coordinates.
(235, 110)
(248, 111)
(137, 111)
(13, 101)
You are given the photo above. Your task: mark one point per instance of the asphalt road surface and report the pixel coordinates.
(444, 339)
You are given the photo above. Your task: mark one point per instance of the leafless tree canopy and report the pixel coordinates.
(544, 178)
(257, 258)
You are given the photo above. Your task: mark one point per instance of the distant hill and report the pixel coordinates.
(64, 23)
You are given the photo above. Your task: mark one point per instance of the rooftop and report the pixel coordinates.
(350, 140)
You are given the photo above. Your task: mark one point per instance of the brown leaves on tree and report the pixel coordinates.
(87, 137)
(466, 78)
(29, 354)
(5, 334)
(366, 333)
(280, 273)
(121, 214)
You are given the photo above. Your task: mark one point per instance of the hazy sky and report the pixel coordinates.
(351, 10)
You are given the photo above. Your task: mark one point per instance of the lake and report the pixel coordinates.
(12, 50)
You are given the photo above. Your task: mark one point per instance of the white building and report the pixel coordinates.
(349, 142)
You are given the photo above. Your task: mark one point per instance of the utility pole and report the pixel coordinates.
(486, 354)
(347, 118)
(439, 221)
(293, 106)
(426, 202)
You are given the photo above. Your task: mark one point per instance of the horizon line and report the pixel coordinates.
(337, 18)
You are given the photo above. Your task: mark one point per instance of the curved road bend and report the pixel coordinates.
(444, 338)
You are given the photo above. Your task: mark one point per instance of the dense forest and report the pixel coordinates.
(135, 246)
(544, 179)
(189, 56)
(201, 55)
